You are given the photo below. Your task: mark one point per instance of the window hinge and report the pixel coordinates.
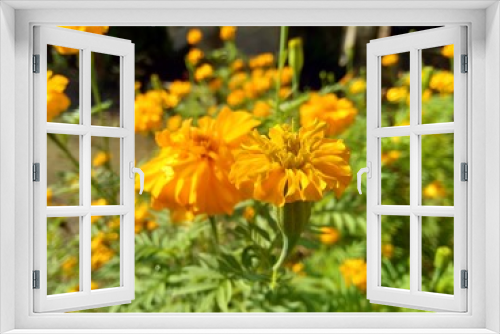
(464, 172)
(36, 63)
(36, 279)
(465, 64)
(36, 172)
(464, 279)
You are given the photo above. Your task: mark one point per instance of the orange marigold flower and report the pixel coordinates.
(390, 60)
(57, 101)
(180, 88)
(237, 80)
(443, 82)
(236, 97)
(203, 72)
(149, 108)
(357, 86)
(448, 51)
(194, 36)
(397, 94)
(388, 158)
(174, 122)
(191, 171)
(227, 33)
(288, 166)
(261, 109)
(337, 113)
(354, 272)
(298, 268)
(101, 158)
(215, 84)
(237, 65)
(100, 30)
(194, 56)
(262, 60)
(435, 189)
(329, 235)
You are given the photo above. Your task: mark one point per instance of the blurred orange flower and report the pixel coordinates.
(203, 72)
(194, 56)
(57, 101)
(354, 272)
(100, 30)
(329, 235)
(435, 189)
(448, 51)
(337, 113)
(194, 36)
(227, 33)
(261, 109)
(390, 60)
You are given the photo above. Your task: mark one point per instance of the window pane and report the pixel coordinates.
(437, 254)
(105, 261)
(63, 169)
(63, 89)
(437, 169)
(105, 171)
(105, 76)
(395, 170)
(395, 252)
(63, 254)
(395, 89)
(437, 84)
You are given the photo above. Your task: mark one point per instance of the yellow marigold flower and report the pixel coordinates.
(180, 88)
(261, 109)
(191, 171)
(434, 189)
(329, 235)
(286, 75)
(337, 113)
(227, 33)
(357, 86)
(194, 36)
(203, 72)
(215, 84)
(262, 60)
(137, 85)
(298, 268)
(442, 82)
(101, 253)
(249, 213)
(100, 30)
(397, 94)
(390, 60)
(57, 101)
(236, 97)
(101, 158)
(389, 157)
(257, 86)
(426, 95)
(448, 51)
(49, 196)
(69, 264)
(237, 80)
(237, 65)
(354, 272)
(174, 122)
(285, 92)
(149, 109)
(114, 223)
(288, 166)
(387, 250)
(194, 56)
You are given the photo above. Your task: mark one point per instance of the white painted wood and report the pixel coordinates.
(86, 298)
(471, 322)
(413, 43)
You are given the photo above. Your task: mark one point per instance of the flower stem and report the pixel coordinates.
(281, 63)
(215, 235)
(284, 249)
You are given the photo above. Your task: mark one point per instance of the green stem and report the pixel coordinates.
(281, 63)
(215, 235)
(284, 249)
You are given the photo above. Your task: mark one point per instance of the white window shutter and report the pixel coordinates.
(414, 297)
(86, 298)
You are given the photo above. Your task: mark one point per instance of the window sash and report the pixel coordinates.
(413, 43)
(86, 43)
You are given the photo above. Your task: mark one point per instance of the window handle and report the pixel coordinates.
(368, 171)
(140, 172)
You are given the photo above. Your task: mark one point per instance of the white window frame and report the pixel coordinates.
(484, 211)
(414, 44)
(87, 43)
